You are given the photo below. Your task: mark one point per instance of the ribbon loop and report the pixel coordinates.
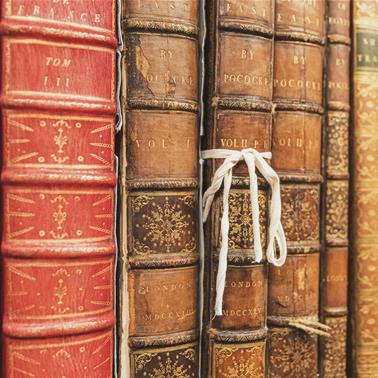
(276, 236)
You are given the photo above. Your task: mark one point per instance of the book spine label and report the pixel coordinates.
(58, 179)
(364, 188)
(293, 293)
(238, 116)
(160, 206)
(334, 262)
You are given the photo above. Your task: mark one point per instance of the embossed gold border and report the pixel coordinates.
(109, 262)
(65, 343)
(13, 347)
(237, 347)
(12, 114)
(134, 353)
(54, 241)
(35, 41)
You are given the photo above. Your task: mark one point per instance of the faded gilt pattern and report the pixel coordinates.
(293, 354)
(300, 202)
(366, 212)
(241, 233)
(335, 348)
(337, 146)
(169, 363)
(367, 295)
(365, 205)
(239, 361)
(163, 224)
(337, 211)
(365, 8)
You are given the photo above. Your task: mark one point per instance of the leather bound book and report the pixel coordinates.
(364, 205)
(237, 115)
(159, 333)
(293, 290)
(334, 261)
(58, 180)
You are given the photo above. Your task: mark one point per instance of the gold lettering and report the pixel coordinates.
(246, 79)
(51, 13)
(291, 83)
(243, 312)
(36, 10)
(58, 62)
(365, 58)
(368, 41)
(84, 17)
(21, 10)
(289, 142)
(164, 287)
(166, 54)
(247, 54)
(56, 81)
(336, 278)
(340, 62)
(338, 85)
(241, 143)
(171, 315)
(244, 284)
(299, 59)
(338, 21)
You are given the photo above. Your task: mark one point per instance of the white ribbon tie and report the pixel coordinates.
(276, 235)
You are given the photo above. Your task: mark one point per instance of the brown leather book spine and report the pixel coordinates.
(293, 290)
(334, 261)
(58, 187)
(238, 115)
(160, 240)
(364, 185)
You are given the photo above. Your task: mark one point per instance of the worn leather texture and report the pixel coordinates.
(334, 280)
(238, 114)
(58, 180)
(293, 290)
(364, 206)
(159, 237)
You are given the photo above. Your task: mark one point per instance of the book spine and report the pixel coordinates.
(238, 115)
(293, 290)
(334, 261)
(160, 244)
(364, 199)
(58, 179)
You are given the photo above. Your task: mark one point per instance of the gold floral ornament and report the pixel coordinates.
(235, 362)
(276, 236)
(60, 140)
(167, 224)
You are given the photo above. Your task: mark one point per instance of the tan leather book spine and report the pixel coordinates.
(159, 246)
(334, 261)
(237, 115)
(293, 290)
(364, 202)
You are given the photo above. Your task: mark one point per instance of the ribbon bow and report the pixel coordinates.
(276, 235)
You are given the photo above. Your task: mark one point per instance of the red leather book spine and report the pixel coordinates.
(58, 88)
